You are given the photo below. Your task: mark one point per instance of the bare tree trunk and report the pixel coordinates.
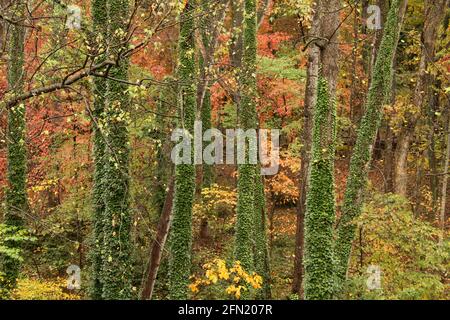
(431, 151)
(236, 46)
(434, 13)
(401, 164)
(389, 161)
(263, 8)
(158, 246)
(444, 182)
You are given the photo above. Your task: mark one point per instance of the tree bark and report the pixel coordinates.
(442, 219)
(158, 245)
(434, 13)
(431, 152)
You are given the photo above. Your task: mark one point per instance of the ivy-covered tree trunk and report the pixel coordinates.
(99, 18)
(323, 51)
(247, 120)
(320, 204)
(181, 234)
(16, 193)
(116, 272)
(261, 252)
(378, 94)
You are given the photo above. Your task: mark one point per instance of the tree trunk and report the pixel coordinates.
(237, 46)
(442, 219)
(261, 252)
(210, 23)
(378, 94)
(433, 128)
(16, 193)
(401, 163)
(320, 205)
(117, 268)
(99, 18)
(389, 160)
(247, 120)
(320, 52)
(158, 246)
(181, 235)
(434, 13)
(384, 7)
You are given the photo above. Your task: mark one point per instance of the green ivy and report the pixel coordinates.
(99, 17)
(379, 93)
(117, 267)
(247, 120)
(10, 236)
(16, 194)
(261, 252)
(320, 202)
(181, 235)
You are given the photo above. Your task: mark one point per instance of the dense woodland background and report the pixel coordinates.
(86, 115)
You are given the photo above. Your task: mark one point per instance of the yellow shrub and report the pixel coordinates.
(236, 278)
(33, 289)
